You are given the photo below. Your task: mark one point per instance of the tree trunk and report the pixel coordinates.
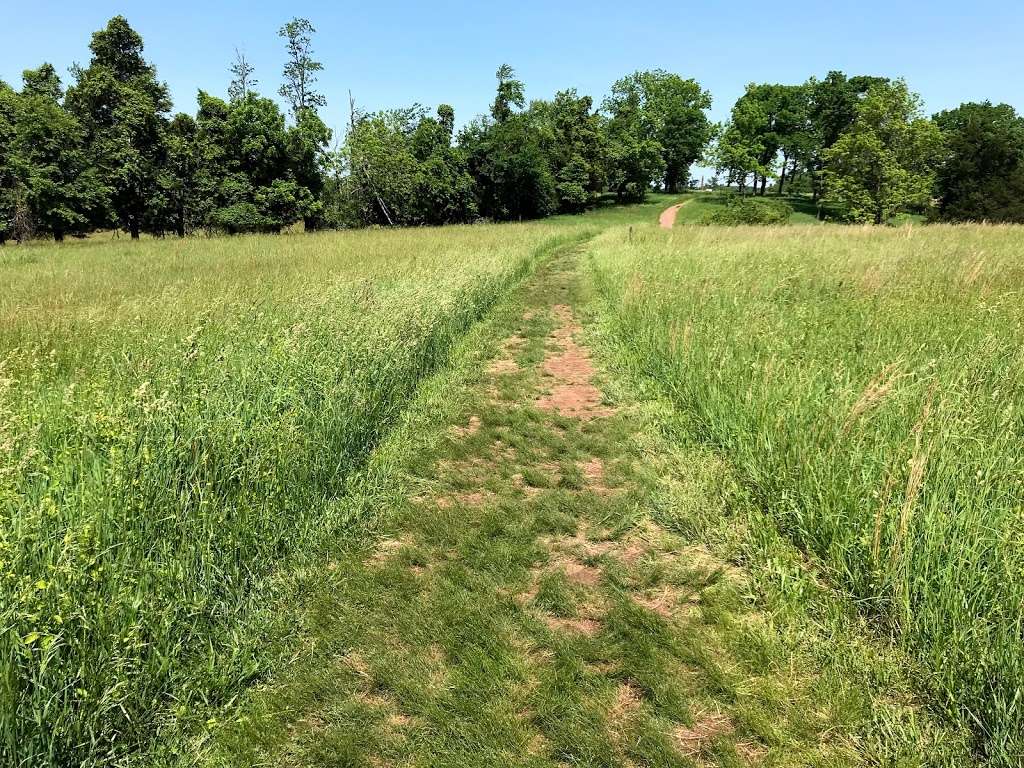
(671, 181)
(782, 176)
(764, 182)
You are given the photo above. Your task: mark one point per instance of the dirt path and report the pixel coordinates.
(524, 609)
(667, 220)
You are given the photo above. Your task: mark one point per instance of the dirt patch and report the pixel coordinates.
(580, 545)
(505, 362)
(751, 752)
(386, 549)
(588, 627)
(471, 428)
(593, 470)
(468, 499)
(628, 698)
(520, 484)
(574, 571)
(502, 365)
(691, 740)
(664, 601)
(475, 468)
(584, 575)
(572, 392)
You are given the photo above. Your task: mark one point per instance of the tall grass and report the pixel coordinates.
(868, 386)
(174, 418)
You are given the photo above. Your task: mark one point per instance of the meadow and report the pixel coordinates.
(176, 420)
(187, 425)
(865, 385)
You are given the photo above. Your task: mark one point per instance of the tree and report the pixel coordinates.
(308, 140)
(510, 94)
(57, 190)
(506, 157)
(736, 153)
(179, 180)
(831, 110)
(443, 187)
(634, 158)
(767, 121)
(245, 176)
(7, 178)
(382, 166)
(572, 135)
(243, 83)
(982, 176)
(404, 169)
(122, 108)
(300, 69)
(43, 82)
(671, 111)
(886, 160)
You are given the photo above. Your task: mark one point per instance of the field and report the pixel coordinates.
(866, 386)
(175, 419)
(262, 494)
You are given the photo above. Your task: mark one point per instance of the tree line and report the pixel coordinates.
(862, 147)
(107, 152)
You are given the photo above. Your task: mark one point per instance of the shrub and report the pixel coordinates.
(751, 210)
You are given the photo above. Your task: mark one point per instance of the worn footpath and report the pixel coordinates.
(523, 607)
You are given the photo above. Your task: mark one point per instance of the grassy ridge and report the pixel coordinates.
(867, 385)
(175, 419)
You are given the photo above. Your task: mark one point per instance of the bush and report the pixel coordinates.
(751, 210)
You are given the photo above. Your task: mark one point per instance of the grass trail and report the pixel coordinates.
(529, 600)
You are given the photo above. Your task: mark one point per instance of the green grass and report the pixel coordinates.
(865, 385)
(451, 636)
(176, 419)
(202, 440)
(704, 204)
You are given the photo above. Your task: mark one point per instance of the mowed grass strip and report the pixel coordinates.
(866, 386)
(176, 420)
(522, 606)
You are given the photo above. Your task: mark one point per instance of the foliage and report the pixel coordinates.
(670, 111)
(886, 160)
(635, 159)
(574, 142)
(403, 169)
(249, 163)
(243, 83)
(506, 158)
(300, 69)
(750, 210)
(122, 109)
(982, 176)
(50, 188)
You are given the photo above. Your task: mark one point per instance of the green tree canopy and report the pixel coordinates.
(669, 110)
(886, 160)
(55, 188)
(123, 109)
(982, 177)
(299, 70)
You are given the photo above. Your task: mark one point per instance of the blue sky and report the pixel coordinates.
(398, 52)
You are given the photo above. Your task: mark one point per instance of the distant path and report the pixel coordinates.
(667, 220)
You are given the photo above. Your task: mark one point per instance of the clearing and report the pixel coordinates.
(534, 600)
